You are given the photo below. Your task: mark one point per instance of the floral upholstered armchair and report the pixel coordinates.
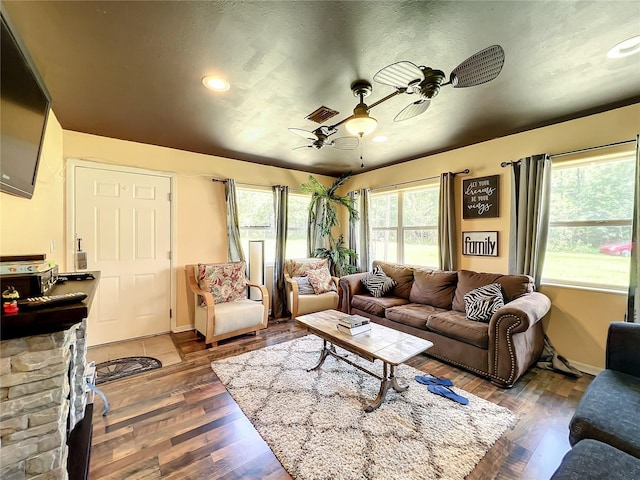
(310, 286)
(222, 309)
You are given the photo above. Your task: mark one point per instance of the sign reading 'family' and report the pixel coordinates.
(481, 244)
(480, 197)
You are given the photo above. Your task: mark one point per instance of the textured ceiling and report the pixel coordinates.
(133, 70)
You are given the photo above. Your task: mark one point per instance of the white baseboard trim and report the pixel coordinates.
(583, 367)
(183, 328)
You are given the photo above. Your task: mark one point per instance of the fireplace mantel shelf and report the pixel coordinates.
(48, 320)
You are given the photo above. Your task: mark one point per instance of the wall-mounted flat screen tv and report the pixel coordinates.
(24, 111)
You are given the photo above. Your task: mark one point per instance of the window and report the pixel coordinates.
(404, 226)
(591, 205)
(298, 213)
(256, 220)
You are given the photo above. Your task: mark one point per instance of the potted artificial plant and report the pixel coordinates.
(323, 212)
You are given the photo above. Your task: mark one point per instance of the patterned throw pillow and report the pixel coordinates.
(226, 281)
(321, 281)
(480, 304)
(378, 283)
(298, 267)
(304, 286)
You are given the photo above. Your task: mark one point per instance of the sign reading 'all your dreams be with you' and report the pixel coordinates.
(480, 197)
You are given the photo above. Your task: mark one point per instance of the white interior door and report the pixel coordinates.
(124, 220)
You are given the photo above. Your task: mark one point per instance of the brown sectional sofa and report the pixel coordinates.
(430, 304)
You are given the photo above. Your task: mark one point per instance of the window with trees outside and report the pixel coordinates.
(404, 226)
(298, 220)
(591, 206)
(256, 221)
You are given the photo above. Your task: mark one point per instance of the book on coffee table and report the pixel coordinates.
(351, 321)
(354, 330)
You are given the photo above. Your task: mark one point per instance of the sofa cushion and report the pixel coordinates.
(455, 325)
(609, 411)
(378, 283)
(226, 281)
(402, 275)
(375, 306)
(321, 281)
(480, 304)
(433, 288)
(412, 314)
(304, 286)
(513, 286)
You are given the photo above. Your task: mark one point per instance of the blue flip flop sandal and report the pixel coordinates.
(446, 392)
(431, 380)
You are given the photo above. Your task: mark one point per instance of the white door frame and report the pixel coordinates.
(71, 165)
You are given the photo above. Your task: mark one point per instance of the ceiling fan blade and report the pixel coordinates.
(412, 110)
(303, 146)
(399, 75)
(345, 143)
(312, 137)
(482, 67)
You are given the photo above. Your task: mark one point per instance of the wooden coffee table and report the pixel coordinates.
(390, 346)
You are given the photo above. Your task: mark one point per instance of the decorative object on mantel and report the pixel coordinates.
(480, 244)
(317, 427)
(124, 367)
(480, 197)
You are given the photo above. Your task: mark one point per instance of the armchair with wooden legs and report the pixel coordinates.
(216, 318)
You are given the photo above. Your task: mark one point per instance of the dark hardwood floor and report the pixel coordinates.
(179, 422)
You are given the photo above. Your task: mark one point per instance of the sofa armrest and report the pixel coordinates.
(520, 314)
(623, 348)
(516, 337)
(349, 286)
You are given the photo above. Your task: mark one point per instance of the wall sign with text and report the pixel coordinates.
(481, 244)
(480, 197)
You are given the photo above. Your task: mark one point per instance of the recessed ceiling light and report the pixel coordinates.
(215, 83)
(625, 48)
(379, 139)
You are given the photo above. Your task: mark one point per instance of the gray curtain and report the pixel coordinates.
(314, 236)
(279, 295)
(364, 254)
(447, 223)
(359, 230)
(235, 253)
(634, 291)
(530, 181)
(354, 237)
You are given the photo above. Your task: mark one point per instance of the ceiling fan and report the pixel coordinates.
(405, 77)
(425, 82)
(320, 138)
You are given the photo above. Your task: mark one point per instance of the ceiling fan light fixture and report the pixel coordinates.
(361, 123)
(379, 138)
(625, 48)
(216, 84)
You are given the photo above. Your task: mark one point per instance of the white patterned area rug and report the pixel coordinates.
(316, 425)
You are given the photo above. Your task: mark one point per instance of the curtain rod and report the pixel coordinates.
(254, 185)
(581, 150)
(395, 185)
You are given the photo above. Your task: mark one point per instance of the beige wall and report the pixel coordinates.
(200, 204)
(37, 225)
(578, 321)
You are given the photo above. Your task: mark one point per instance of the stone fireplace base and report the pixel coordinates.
(42, 398)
